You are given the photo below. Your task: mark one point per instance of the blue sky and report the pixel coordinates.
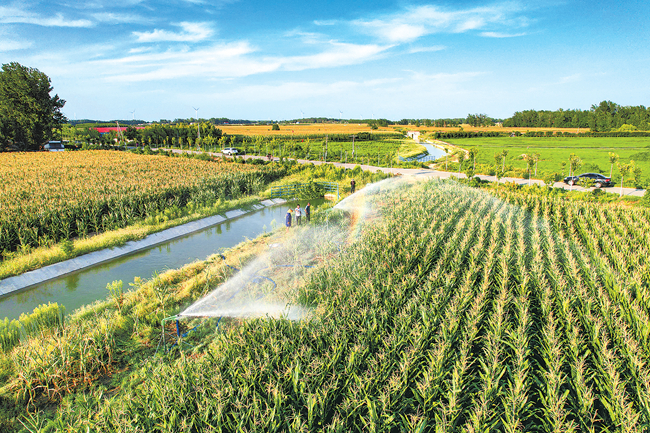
(278, 60)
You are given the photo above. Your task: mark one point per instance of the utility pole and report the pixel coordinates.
(119, 133)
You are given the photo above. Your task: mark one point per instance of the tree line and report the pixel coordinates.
(604, 117)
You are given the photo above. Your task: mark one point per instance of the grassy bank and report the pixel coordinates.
(95, 352)
(409, 149)
(329, 173)
(18, 263)
(22, 261)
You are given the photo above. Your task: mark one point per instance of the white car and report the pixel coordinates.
(230, 151)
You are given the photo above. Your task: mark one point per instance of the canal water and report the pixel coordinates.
(89, 285)
(434, 152)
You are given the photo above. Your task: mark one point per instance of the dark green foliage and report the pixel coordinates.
(606, 116)
(28, 114)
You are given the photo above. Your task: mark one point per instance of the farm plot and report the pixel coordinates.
(48, 197)
(456, 310)
(554, 153)
(377, 151)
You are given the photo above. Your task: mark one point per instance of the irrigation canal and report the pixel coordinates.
(88, 285)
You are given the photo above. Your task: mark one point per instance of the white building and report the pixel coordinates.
(415, 135)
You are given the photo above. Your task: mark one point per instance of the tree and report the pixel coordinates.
(624, 169)
(461, 157)
(535, 157)
(530, 161)
(131, 133)
(504, 154)
(28, 114)
(472, 155)
(574, 163)
(613, 159)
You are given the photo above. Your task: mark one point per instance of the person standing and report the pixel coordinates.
(287, 219)
(298, 214)
(308, 212)
(353, 185)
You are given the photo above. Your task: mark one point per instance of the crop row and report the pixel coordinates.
(51, 197)
(456, 310)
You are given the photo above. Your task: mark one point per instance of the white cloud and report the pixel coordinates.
(306, 37)
(13, 15)
(230, 60)
(218, 61)
(414, 50)
(418, 21)
(139, 50)
(119, 18)
(14, 45)
(302, 90)
(502, 35)
(191, 32)
(445, 77)
(339, 54)
(325, 22)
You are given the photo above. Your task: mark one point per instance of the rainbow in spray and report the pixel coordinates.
(363, 206)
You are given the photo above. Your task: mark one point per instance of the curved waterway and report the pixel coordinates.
(434, 152)
(88, 285)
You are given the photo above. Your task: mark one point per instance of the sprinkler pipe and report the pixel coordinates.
(179, 336)
(162, 325)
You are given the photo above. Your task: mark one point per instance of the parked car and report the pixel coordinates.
(230, 151)
(599, 180)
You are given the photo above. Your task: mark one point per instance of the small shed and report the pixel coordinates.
(415, 135)
(54, 146)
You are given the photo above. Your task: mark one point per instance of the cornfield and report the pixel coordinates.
(456, 310)
(47, 197)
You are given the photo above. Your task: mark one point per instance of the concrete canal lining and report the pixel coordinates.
(56, 270)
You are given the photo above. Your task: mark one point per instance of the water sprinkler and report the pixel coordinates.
(176, 318)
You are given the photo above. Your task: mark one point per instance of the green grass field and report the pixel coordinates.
(594, 153)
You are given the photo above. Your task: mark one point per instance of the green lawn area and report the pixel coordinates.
(594, 152)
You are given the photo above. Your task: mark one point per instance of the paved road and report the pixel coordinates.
(440, 174)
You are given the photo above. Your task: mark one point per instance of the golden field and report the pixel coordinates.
(304, 129)
(353, 128)
(48, 197)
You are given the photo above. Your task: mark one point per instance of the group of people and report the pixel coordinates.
(298, 211)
